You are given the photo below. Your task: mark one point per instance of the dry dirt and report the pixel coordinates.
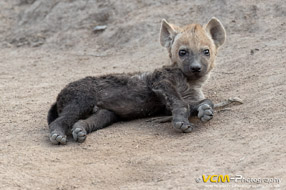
(47, 44)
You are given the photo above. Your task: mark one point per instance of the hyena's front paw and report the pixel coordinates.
(205, 112)
(184, 126)
(78, 132)
(58, 138)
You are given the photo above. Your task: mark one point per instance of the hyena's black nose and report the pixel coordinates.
(196, 68)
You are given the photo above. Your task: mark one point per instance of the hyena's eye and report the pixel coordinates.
(183, 52)
(207, 52)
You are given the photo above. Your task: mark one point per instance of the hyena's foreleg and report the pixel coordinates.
(203, 109)
(195, 111)
(99, 119)
(180, 110)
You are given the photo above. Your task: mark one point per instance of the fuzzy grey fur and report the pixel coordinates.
(93, 103)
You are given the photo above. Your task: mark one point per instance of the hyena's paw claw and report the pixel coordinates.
(185, 127)
(58, 139)
(205, 113)
(79, 134)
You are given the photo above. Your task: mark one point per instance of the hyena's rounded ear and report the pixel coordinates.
(167, 34)
(216, 30)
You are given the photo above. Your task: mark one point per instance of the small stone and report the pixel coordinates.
(99, 28)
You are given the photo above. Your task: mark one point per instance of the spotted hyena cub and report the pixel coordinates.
(93, 103)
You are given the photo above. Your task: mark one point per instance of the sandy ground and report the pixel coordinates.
(247, 140)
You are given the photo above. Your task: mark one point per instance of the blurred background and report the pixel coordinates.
(69, 24)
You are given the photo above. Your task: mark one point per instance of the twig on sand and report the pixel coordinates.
(165, 119)
(224, 109)
(93, 55)
(162, 119)
(228, 102)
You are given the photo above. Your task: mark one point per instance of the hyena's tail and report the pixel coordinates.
(53, 113)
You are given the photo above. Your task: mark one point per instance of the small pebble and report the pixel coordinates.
(99, 28)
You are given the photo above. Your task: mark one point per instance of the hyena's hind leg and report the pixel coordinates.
(99, 119)
(61, 125)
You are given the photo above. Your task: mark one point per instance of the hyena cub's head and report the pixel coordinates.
(193, 47)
